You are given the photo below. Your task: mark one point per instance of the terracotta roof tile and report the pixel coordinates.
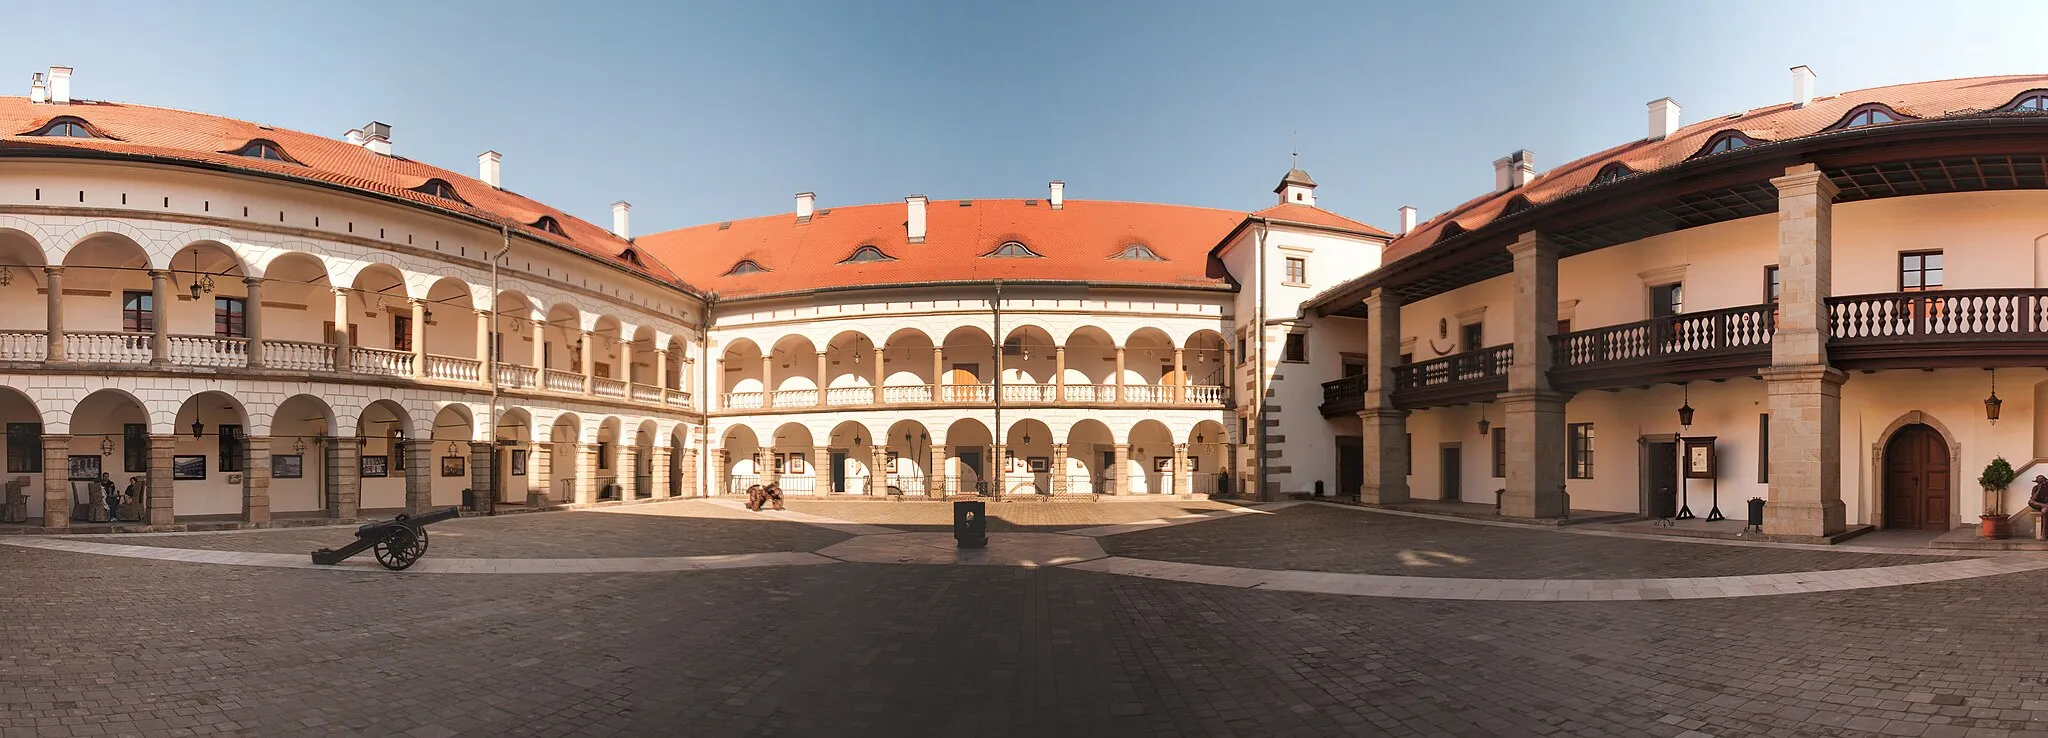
(1318, 217)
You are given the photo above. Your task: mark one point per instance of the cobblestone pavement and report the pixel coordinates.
(1320, 538)
(1004, 517)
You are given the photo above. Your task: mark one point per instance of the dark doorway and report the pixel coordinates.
(1453, 472)
(1660, 479)
(1350, 465)
(839, 472)
(970, 461)
(1916, 480)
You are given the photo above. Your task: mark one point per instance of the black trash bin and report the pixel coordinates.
(970, 523)
(1756, 515)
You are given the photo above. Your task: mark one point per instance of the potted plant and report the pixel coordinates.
(1996, 477)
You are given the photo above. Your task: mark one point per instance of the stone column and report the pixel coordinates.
(936, 481)
(821, 470)
(57, 481)
(661, 376)
(420, 469)
(160, 305)
(690, 487)
(998, 470)
(1183, 484)
(1119, 474)
(1180, 375)
(53, 324)
(252, 323)
(720, 473)
(629, 472)
(342, 339)
(344, 475)
(1805, 394)
(1059, 373)
(768, 378)
(1535, 413)
(256, 479)
(878, 468)
(540, 353)
(482, 479)
(418, 338)
(881, 373)
(540, 475)
(589, 367)
(938, 371)
(1120, 375)
(823, 379)
(660, 482)
(1383, 426)
(1059, 469)
(163, 500)
(586, 473)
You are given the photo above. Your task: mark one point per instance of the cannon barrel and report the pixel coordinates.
(434, 516)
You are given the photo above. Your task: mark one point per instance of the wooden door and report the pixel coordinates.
(964, 378)
(1453, 468)
(1916, 480)
(1660, 479)
(1350, 465)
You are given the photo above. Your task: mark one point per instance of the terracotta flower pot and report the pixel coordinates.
(1990, 527)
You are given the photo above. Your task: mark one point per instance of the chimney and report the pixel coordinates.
(487, 168)
(1802, 85)
(806, 203)
(60, 85)
(1058, 198)
(1663, 118)
(38, 91)
(913, 226)
(622, 222)
(1513, 170)
(377, 137)
(1407, 219)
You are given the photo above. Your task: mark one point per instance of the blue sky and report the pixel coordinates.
(700, 113)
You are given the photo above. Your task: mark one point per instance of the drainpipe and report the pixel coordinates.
(490, 364)
(1259, 374)
(1001, 469)
(704, 394)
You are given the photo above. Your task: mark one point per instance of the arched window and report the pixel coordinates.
(1872, 116)
(438, 188)
(746, 266)
(1137, 252)
(548, 223)
(1725, 143)
(1014, 249)
(1612, 173)
(867, 254)
(2033, 102)
(261, 149)
(66, 127)
(1516, 204)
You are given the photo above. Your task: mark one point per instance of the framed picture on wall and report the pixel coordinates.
(453, 466)
(1194, 463)
(375, 467)
(518, 462)
(1699, 457)
(1162, 463)
(893, 463)
(287, 466)
(188, 467)
(85, 468)
(1040, 464)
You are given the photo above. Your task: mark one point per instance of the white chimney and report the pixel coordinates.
(1407, 219)
(1802, 85)
(38, 91)
(806, 203)
(622, 223)
(356, 136)
(487, 168)
(377, 137)
(1663, 118)
(1513, 170)
(60, 85)
(1058, 198)
(913, 225)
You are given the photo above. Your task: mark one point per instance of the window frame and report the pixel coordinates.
(48, 129)
(24, 448)
(265, 149)
(1009, 250)
(233, 447)
(138, 319)
(1294, 343)
(1471, 336)
(234, 311)
(1499, 445)
(1296, 274)
(134, 448)
(744, 267)
(1941, 271)
(1763, 445)
(1137, 252)
(401, 331)
(867, 254)
(1772, 285)
(2019, 104)
(1675, 291)
(1579, 440)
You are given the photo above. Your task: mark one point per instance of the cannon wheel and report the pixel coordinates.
(398, 549)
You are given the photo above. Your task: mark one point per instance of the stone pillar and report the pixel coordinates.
(1805, 394)
(1383, 426)
(163, 492)
(937, 482)
(938, 371)
(881, 373)
(344, 475)
(1059, 373)
(660, 472)
(768, 378)
(420, 470)
(823, 380)
(342, 339)
(589, 367)
(57, 481)
(878, 468)
(821, 470)
(998, 470)
(720, 473)
(1058, 483)
(540, 475)
(160, 305)
(1535, 413)
(418, 338)
(1180, 375)
(661, 376)
(629, 472)
(586, 473)
(690, 487)
(53, 280)
(1119, 475)
(256, 479)
(252, 323)
(1120, 375)
(540, 353)
(482, 479)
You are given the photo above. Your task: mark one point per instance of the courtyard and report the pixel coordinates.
(698, 617)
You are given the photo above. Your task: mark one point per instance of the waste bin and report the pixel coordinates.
(970, 523)
(1756, 515)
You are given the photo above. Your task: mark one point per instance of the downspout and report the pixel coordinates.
(1002, 469)
(490, 364)
(1259, 372)
(704, 394)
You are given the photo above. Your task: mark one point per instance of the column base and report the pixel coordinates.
(1386, 435)
(1807, 519)
(1536, 448)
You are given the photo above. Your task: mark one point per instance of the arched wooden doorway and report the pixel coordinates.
(1916, 479)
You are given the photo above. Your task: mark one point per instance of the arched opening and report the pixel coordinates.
(852, 367)
(640, 364)
(681, 470)
(380, 326)
(383, 427)
(792, 373)
(453, 348)
(563, 436)
(110, 312)
(608, 487)
(454, 429)
(1150, 466)
(743, 459)
(513, 435)
(103, 419)
(1917, 479)
(293, 339)
(675, 378)
(1091, 455)
(1029, 365)
(1148, 367)
(741, 386)
(1027, 458)
(209, 306)
(1091, 366)
(21, 279)
(605, 345)
(968, 445)
(21, 497)
(908, 458)
(1208, 456)
(513, 332)
(210, 461)
(300, 432)
(793, 452)
(851, 456)
(968, 364)
(908, 370)
(1206, 367)
(643, 460)
(561, 350)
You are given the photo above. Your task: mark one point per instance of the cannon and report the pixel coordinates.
(397, 542)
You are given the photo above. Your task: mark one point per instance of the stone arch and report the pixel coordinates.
(1874, 491)
(55, 250)
(239, 252)
(349, 271)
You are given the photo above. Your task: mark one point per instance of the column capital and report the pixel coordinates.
(1802, 179)
(339, 291)
(253, 281)
(1805, 373)
(53, 270)
(1536, 241)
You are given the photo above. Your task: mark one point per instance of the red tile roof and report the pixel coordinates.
(149, 133)
(1773, 123)
(1318, 217)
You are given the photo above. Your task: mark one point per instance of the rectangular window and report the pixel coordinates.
(134, 447)
(233, 446)
(1295, 348)
(24, 448)
(1472, 336)
(1500, 452)
(1919, 271)
(604, 455)
(229, 317)
(498, 346)
(1297, 270)
(1763, 448)
(1241, 357)
(138, 311)
(401, 333)
(1563, 327)
(1771, 284)
(1580, 464)
(1667, 300)
(1407, 453)
(1407, 358)
(1353, 366)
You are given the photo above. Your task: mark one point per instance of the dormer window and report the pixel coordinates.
(746, 266)
(1612, 173)
(1868, 115)
(1725, 143)
(438, 188)
(261, 149)
(1137, 252)
(2032, 102)
(867, 254)
(631, 257)
(65, 128)
(549, 224)
(1014, 249)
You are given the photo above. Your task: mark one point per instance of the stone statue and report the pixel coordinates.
(2039, 499)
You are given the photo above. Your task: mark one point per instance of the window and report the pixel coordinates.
(1471, 336)
(1919, 271)
(631, 256)
(1727, 142)
(1500, 452)
(134, 447)
(1295, 348)
(230, 317)
(2035, 103)
(746, 266)
(233, 446)
(498, 346)
(1771, 284)
(1611, 173)
(604, 455)
(1015, 249)
(867, 254)
(438, 188)
(1297, 270)
(1763, 448)
(1407, 359)
(65, 128)
(1407, 453)
(1869, 116)
(138, 311)
(1581, 459)
(261, 149)
(1667, 300)
(1563, 327)
(24, 448)
(1137, 252)
(1242, 356)
(401, 333)
(548, 223)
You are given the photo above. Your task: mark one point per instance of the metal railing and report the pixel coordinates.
(850, 396)
(108, 347)
(557, 380)
(209, 351)
(298, 355)
(454, 369)
(798, 484)
(23, 345)
(380, 361)
(1083, 484)
(737, 484)
(608, 387)
(908, 485)
(516, 376)
(793, 398)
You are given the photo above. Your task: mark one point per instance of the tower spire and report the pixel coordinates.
(1294, 150)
